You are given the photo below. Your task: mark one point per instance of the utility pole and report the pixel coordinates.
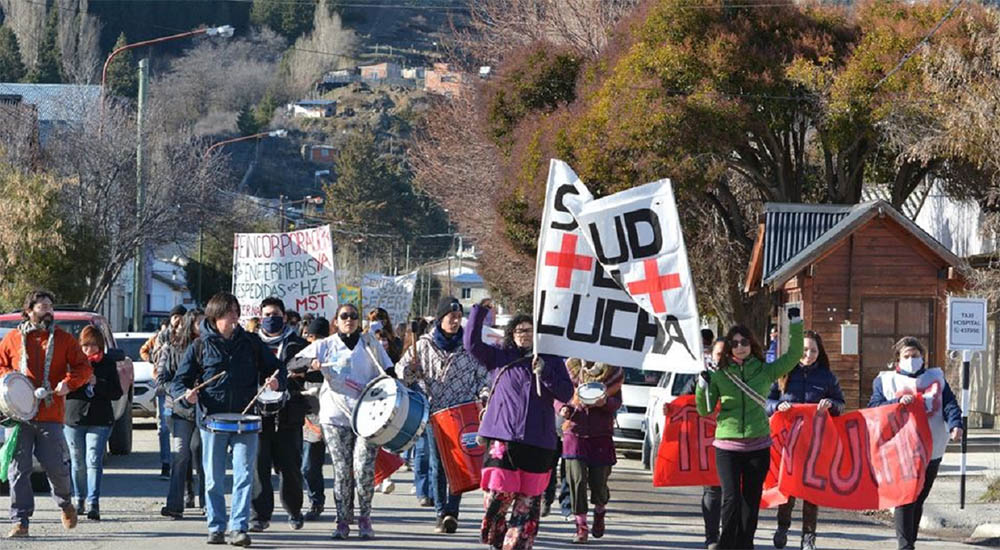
(281, 213)
(138, 293)
(201, 261)
(406, 267)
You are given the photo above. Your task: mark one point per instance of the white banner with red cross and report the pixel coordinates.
(581, 307)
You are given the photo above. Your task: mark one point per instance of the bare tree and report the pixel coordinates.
(98, 157)
(327, 47)
(79, 42)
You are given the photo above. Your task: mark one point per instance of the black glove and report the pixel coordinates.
(706, 376)
(794, 315)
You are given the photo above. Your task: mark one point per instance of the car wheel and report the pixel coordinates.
(646, 458)
(120, 442)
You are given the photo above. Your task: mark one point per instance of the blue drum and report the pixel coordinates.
(232, 423)
(390, 415)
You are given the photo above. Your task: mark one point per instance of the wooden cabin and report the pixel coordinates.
(864, 276)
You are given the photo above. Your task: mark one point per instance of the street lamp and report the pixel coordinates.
(282, 133)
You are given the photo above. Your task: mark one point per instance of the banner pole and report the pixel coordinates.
(966, 365)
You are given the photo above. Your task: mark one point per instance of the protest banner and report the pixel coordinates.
(580, 309)
(862, 460)
(393, 294)
(686, 456)
(297, 267)
(347, 294)
(636, 237)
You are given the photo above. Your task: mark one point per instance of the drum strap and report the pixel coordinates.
(26, 328)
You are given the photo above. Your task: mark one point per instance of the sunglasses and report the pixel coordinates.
(740, 343)
(345, 316)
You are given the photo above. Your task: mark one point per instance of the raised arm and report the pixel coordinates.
(784, 364)
(486, 354)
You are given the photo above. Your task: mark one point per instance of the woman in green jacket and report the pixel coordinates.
(742, 434)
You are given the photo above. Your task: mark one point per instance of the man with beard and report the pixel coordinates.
(281, 436)
(55, 363)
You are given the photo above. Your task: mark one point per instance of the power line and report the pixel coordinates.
(923, 41)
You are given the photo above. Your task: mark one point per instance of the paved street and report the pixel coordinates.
(641, 518)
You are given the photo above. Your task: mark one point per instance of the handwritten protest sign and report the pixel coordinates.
(393, 294)
(862, 460)
(297, 267)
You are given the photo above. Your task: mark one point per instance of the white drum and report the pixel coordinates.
(270, 402)
(17, 398)
(390, 415)
(591, 392)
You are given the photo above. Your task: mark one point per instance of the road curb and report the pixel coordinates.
(986, 531)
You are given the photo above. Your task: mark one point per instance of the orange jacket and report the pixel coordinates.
(68, 363)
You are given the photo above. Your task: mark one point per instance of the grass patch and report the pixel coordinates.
(992, 493)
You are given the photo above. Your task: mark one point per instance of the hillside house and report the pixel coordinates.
(314, 108)
(55, 105)
(320, 154)
(381, 71)
(445, 81)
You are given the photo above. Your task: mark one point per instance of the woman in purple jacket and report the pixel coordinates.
(519, 428)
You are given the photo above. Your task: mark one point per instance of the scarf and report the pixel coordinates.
(280, 341)
(351, 339)
(447, 343)
(26, 328)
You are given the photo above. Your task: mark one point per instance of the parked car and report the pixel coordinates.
(72, 321)
(144, 398)
(670, 386)
(629, 431)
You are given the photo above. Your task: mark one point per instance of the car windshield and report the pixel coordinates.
(638, 377)
(131, 347)
(72, 327)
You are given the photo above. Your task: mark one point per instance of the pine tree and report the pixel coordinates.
(11, 66)
(264, 111)
(122, 78)
(246, 122)
(48, 66)
(289, 19)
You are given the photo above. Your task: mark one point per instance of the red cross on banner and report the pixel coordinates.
(566, 261)
(655, 285)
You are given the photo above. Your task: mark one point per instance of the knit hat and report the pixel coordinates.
(319, 327)
(447, 305)
(178, 310)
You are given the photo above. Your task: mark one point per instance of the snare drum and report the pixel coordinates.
(591, 392)
(390, 415)
(270, 402)
(17, 398)
(232, 423)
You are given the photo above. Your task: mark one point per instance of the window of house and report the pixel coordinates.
(466, 293)
(324, 152)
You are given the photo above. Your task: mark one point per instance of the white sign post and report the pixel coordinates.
(966, 333)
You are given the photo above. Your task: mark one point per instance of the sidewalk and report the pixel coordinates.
(979, 521)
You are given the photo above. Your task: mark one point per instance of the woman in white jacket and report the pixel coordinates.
(347, 368)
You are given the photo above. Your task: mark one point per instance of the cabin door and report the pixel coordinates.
(883, 322)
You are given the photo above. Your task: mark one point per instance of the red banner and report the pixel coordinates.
(861, 460)
(686, 456)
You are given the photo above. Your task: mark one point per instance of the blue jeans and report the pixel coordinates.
(214, 449)
(421, 466)
(163, 428)
(312, 471)
(86, 452)
(445, 503)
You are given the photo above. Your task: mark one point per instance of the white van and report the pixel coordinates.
(629, 422)
(670, 385)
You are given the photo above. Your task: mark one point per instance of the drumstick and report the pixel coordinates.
(262, 390)
(209, 381)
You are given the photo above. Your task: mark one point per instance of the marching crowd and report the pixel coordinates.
(541, 435)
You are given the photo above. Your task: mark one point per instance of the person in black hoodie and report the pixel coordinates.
(89, 416)
(244, 363)
(281, 436)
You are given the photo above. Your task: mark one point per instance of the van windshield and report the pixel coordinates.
(639, 377)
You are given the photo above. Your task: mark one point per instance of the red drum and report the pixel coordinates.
(455, 431)
(386, 464)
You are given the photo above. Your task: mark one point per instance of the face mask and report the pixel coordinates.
(273, 324)
(911, 365)
(96, 357)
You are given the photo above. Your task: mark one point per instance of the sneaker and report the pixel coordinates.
(239, 538)
(581, 534)
(780, 538)
(94, 514)
(18, 531)
(712, 546)
(809, 541)
(439, 527)
(426, 502)
(216, 537)
(598, 529)
(69, 517)
(343, 529)
(165, 472)
(295, 522)
(172, 514)
(450, 524)
(388, 486)
(258, 526)
(365, 531)
(314, 513)
(80, 506)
